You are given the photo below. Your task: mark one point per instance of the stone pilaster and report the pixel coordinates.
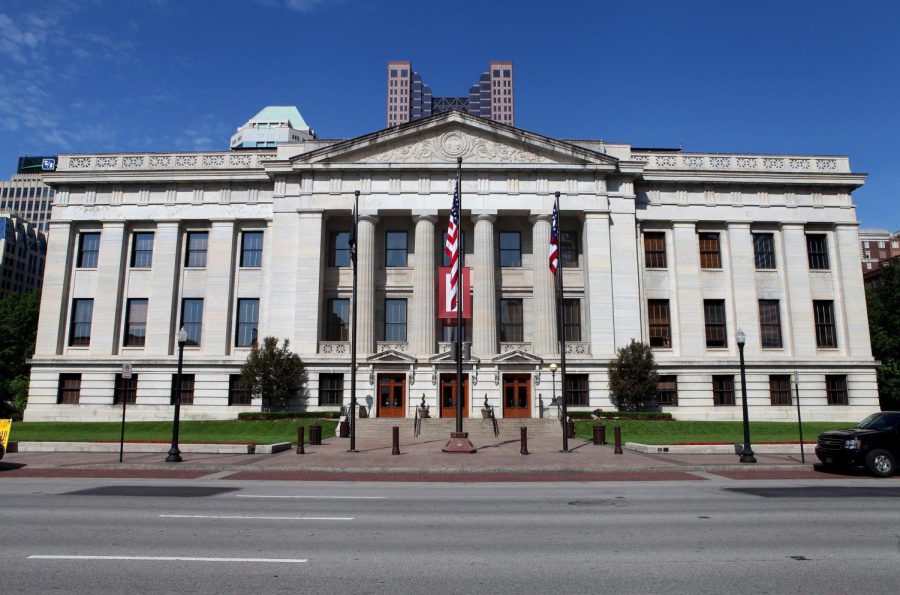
(365, 289)
(423, 301)
(308, 288)
(800, 322)
(545, 340)
(163, 310)
(686, 260)
(852, 300)
(218, 304)
(743, 277)
(51, 335)
(484, 322)
(108, 299)
(598, 283)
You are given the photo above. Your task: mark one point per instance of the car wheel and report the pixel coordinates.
(880, 463)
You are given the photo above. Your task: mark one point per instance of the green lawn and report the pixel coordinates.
(687, 432)
(260, 432)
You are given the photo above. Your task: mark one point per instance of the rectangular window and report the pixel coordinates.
(510, 249)
(238, 394)
(136, 322)
(769, 323)
(247, 322)
(836, 390)
(88, 250)
(195, 255)
(251, 249)
(667, 391)
(339, 249)
(568, 248)
(660, 327)
(396, 248)
(192, 319)
(780, 389)
(723, 390)
(577, 390)
(709, 250)
(142, 250)
(764, 250)
(511, 330)
(655, 250)
(817, 251)
(187, 389)
(80, 328)
(395, 319)
(126, 388)
(572, 319)
(337, 320)
(69, 390)
(714, 314)
(331, 389)
(826, 335)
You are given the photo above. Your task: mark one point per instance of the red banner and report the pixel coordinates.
(444, 279)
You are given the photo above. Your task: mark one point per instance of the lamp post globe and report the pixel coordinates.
(174, 452)
(747, 455)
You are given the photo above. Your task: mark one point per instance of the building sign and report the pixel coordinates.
(36, 165)
(444, 281)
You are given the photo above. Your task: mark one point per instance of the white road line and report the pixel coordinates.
(172, 559)
(264, 518)
(314, 497)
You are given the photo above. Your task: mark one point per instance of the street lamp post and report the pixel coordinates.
(746, 452)
(553, 369)
(174, 452)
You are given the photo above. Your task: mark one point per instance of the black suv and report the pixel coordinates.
(873, 444)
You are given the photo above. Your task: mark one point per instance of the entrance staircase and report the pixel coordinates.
(479, 429)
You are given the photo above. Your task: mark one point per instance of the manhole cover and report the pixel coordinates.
(596, 503)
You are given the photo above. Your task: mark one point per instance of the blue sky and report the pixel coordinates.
(796, 77)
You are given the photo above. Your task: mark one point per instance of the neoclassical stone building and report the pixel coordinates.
(676, 249)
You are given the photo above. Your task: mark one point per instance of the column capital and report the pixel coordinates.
(430, 216)
(368, 218)
(793, 226)
(540, 217)
(489, 217)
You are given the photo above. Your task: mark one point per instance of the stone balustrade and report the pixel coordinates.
(163, 161)
(768, 163)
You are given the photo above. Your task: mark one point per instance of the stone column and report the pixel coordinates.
(423, 301)
(484, 322)
(51, 335)
(108, 299)
(686, 260)
(743, 288)
(365, 289)
(800, 323)
(851, 302)
(598, 284)
(164, 309)
(545, 341)
(308, 282)
(218, 305)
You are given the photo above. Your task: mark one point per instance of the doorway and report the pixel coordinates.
(448, 395)
(391, 395)
(517, 395)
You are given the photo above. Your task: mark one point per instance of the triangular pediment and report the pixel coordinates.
(391, 356)
(448, 357)
(517, 356)
(444, 138)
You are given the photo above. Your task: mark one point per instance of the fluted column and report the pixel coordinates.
(423, 318)
(484, 323)
(545, 337)
(365, 290)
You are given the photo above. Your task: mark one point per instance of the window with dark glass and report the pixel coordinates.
(714, 314)
(572, 319)
(331, 389)
(511, 330)
(510, 249)
(80, 328)
(826, 335)
(817, 251)
(88, 250)
(396, 248)
(187, 389)
(339, 249)
(195, 254)
(667, 391)
(780, 389)
(251, 248)
(655, 250)
(709, 250)
(238, 394)
(660, 326)
(136, 322)
(337, 320)
(142, 250)
(568, 248)
(723, 390)
(69, 390)
(769, 323)
(395, 319)
(836, 390)
(764, 250)
(247, 322)
(126, 388)
(577, 390)
(192, 319)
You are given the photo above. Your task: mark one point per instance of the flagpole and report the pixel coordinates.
(561, 331)
(353, 245)
(460, 301)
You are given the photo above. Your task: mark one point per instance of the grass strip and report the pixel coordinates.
(704, 432)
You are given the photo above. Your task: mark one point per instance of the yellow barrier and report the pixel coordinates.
(5, 429)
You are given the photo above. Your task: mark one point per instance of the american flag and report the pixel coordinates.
(554, 239)
(451, 249)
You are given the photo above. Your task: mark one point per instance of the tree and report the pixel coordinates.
(18, 331)
(273, 373)
(632, 376)
(884, 326)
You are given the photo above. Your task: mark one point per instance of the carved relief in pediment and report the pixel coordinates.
(450, 145)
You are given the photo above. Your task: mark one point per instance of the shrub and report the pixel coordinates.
(273, 415)
(639, 415)
(632, 376)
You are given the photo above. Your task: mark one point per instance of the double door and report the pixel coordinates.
(448, 395)
(392, 395)
(517, 395)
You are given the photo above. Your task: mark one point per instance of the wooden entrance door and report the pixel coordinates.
(448, 395)
(391, 395)
(516, 395)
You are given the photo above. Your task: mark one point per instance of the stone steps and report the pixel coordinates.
(441, 428)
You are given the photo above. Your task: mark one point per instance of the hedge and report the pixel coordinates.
(270, 415)
(641, 415)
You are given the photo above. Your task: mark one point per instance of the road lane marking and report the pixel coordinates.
(171, 559)
(264, 518)
(314, 497)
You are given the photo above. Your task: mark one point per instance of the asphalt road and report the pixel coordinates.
(713, 536)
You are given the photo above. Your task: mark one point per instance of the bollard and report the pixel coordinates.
(523, 438)
(596, 435)
(602, 434)
(618, 434)
(395, 431)
(315, 435)
(344, 429)
(570, 428)
(300, 450)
